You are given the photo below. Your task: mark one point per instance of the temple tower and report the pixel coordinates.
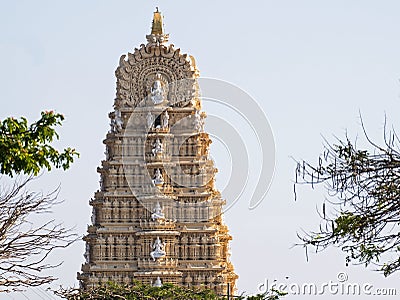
(157, 216)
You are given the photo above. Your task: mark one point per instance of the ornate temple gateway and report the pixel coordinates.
(157, 216)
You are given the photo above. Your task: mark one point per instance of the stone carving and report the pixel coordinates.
(158, 179)
(107, 153)
(93, 218)
(150, 120)
(157, 147)
(101, 182)
(158, 282)
(157, 213)
(136, 69)
(157, 91)
(157, 39)
(87, 253)
(116, 122)
(188, 224)
(158, 249)
(165, 120)
(199, 121)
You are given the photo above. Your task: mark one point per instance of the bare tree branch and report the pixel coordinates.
(25, 247)
(364, 200)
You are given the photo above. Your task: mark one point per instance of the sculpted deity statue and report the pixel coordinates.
(203, 170)
(198, 121)
(157, 213)
(158, 282)
(107, 153)
(87, 253)
(158, 249)
(158, 179)
(164, 120)
(157, 91)
(93, 218)
(150, 120)
(157, 147)
(101, 181)
(116, 122)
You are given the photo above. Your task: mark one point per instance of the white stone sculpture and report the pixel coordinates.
(157, 91)
(157, 212)
(158, 179)
(87, 253)
(157, 147)
(198, 122)
(116, 122)
(158, 249)
(150, 120)
(158, 282)
(165, 120)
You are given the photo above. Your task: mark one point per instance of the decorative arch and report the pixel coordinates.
(136, 72)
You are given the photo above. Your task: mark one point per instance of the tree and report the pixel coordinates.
(362, 212)
(167, 291)
(27, 149)
(24, 247)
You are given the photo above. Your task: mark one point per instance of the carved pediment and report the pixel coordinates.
(136, 74)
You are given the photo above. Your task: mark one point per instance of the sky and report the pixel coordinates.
(312, 66)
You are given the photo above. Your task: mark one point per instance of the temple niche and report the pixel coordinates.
(157, 216)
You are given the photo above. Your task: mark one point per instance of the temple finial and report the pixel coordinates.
(157, 26)
(157, 36)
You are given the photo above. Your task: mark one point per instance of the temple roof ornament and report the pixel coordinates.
(157, 35)
(157, 25)
(153, 72)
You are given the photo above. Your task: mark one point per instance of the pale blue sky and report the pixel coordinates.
(311, 65)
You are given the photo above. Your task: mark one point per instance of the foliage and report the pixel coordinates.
(363, 187)
(273, 294)
(25, 247)
(26, 148)
(167, 291)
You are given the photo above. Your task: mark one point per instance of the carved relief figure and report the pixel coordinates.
(164, 120)
(157, 147)
(157, 91)
(87, 253)
(198, 121)
(158, 282)
(107, 153)
(93, 218)
(158, 179)
(157, 212)
(158, 249)
(116, 122)
(150, 120)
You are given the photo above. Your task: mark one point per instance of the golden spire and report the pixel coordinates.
(157, 36)
(157, 27)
